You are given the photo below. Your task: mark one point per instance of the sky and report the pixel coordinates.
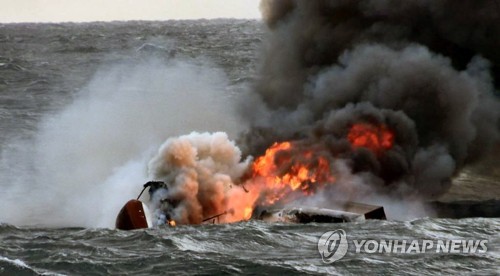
(109, 10)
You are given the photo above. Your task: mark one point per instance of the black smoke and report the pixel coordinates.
(426, 69)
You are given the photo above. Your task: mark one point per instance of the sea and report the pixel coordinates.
(83, 106)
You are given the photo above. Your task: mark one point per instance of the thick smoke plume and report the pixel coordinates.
(423, 69)
(201, 171)
(371, 101)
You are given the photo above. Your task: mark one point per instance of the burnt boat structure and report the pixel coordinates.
(135, 214)
(347, 212)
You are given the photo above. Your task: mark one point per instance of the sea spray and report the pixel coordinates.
(91, 157)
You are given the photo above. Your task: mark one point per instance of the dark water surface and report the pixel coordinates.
(250, 248)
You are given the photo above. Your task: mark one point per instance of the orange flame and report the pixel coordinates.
(172, 223)
(376, 138)
(247, 213)
(284, 170)
(287, 169)
(281, 173)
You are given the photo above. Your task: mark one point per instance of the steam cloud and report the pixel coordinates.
(90, 158)
(422, 68)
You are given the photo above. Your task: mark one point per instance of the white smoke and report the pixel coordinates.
(90, 158)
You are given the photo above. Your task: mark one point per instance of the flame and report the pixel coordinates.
(240, 203)
(247, 214)
(377, 138)
(284, 169)
(172, 223)
(291, 168)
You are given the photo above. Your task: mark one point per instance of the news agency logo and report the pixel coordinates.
(333, 246)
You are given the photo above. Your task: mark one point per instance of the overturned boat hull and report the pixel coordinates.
(133, 215)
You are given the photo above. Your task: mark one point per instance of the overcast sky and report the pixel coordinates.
(107, 10)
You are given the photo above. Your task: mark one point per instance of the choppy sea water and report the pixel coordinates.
(251, 248)
(45, 67)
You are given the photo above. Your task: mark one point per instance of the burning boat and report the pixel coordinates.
(135, 214)
(204, 181)
(349, 104)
